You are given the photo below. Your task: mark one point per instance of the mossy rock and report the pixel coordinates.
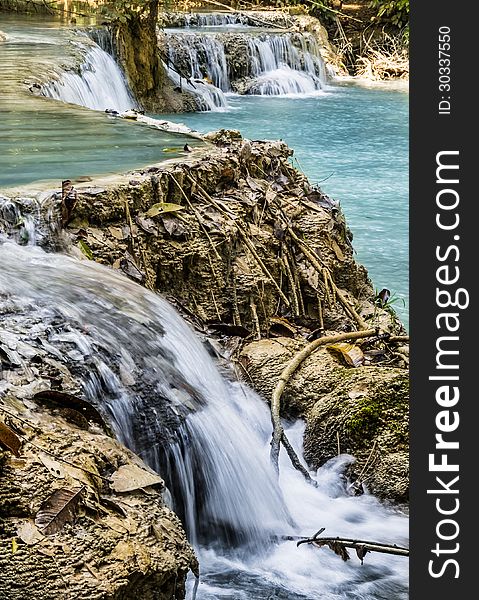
(368, 413)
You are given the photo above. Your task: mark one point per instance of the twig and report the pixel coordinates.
(292, 284)
(198, 217)
(361, 546)
(216, 306)
(320, 312)
(359, 479)
(255, 319)
(295, 460)
(319, 266)
(289, 371)
(263, 267)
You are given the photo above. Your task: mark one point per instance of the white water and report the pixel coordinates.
(208, 97)
(100, 85)
(143, 365)
(273, 64)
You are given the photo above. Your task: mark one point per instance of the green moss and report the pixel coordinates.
(384, 411)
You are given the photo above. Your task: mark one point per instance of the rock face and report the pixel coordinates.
(234, 234)
(360, 411)
(117, 545)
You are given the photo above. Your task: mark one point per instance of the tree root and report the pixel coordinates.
(293, 365)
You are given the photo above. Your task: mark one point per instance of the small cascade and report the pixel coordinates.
(99, 84)
(208, 96)
(29, 221)
(257, 63)
(215, 19)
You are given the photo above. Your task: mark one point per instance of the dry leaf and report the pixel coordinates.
(9, 439)
(116, 232)
(351, 353)
(64, 400)
(339, 549)
(147, 225)
(361, 552)
(281, 327)
(59, 509)
(53, 466)
(337, 250)
(163, 207)
(29, 533)
(130, 477)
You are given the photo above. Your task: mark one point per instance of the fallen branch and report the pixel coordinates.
(362, 547)
(278, 431)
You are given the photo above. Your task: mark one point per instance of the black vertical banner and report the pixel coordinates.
(444, 341)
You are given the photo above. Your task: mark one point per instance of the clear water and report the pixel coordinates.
(143, 365)
(44, 139)
(353, 141)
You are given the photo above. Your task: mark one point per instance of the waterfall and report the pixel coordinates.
(215, 19)
(207, 435)
(100, 84)
(272, 64)
(208, 96)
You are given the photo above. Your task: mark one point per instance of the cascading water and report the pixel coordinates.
(100, 84)
(142, 365)
(257, 63)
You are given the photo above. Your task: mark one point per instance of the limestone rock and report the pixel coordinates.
(126, 545)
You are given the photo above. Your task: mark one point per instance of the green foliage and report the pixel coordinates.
(125, 10)
(395, 12)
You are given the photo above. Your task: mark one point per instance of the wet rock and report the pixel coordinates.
(364, 410)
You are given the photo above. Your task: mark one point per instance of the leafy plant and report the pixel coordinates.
(395, 12)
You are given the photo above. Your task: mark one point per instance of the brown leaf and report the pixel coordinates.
(116, 232)
(129, 267)
(147, 225)
(351, 353)
(173, 226)
(340, 550)
(9, 439)
(58, 510)
(361, 552)
(228, 329)
(281, 327)
(130, 477)
(61, 399)
(337, 250)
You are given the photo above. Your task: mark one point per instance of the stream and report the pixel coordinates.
(216, 462)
